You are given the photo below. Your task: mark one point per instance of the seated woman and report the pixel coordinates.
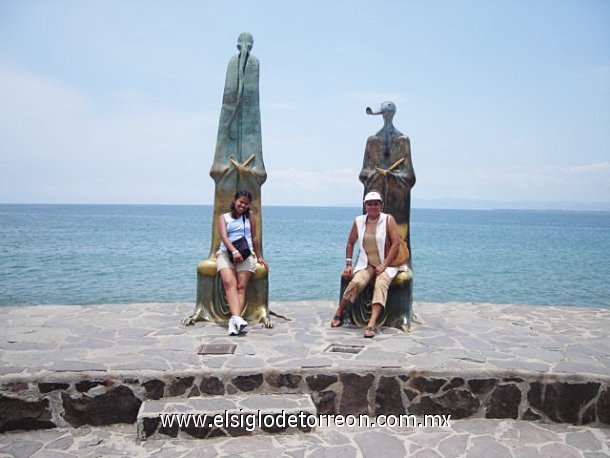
(374, 231)
(234, 270)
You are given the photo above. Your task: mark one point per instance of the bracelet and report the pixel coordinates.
(234, 252)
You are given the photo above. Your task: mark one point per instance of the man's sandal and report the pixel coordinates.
(336, 321)
(369, 332)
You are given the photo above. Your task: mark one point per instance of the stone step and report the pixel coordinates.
(216, 416)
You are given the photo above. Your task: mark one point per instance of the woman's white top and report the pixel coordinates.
(235, 230)
(380, 236)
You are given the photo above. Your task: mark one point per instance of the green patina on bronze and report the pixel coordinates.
(387, 168)
(238, 165)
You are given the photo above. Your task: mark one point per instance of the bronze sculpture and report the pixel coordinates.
(388, 169)
(238, 164)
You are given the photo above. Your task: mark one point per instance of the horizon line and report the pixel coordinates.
(520, 207)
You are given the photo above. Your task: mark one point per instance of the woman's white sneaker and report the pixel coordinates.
(233, 329)
(240, 324)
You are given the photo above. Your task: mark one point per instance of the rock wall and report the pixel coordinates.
(75, 399)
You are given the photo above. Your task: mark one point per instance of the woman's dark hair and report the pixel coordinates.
(237, 195)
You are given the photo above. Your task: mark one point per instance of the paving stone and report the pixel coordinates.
(590, 366)
(426, 453)
(466, 355)
(525, 451)
(486, 446)
(380, 444)
(63, 443)
(70, 366)
(245, 362)
(532, 433)
(21, 448)
(534, 366)
(335, 452)
(584, 441)
(453, 446)
(562, 450)
(4, 370)
(428, 438)
(140, 364)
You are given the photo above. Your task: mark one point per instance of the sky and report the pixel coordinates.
(506, 103)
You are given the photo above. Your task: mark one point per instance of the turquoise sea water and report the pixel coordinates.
(88, 254)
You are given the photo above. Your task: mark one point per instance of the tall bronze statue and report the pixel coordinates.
(238, 165)
(388, 169)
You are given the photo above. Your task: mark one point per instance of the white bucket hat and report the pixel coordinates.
(373, 195)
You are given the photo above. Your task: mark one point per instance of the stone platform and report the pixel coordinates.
(488, 366)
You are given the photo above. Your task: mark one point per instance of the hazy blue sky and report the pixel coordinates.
(507, 103)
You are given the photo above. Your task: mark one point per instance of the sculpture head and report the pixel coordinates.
(245, 42)
(387, 109)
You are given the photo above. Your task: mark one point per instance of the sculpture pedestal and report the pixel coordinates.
(398, 311)
(212, 303)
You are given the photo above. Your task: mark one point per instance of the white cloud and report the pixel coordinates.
(23, 93)
(56, 145)
(306, 187)
(582, 183)
(599, 166)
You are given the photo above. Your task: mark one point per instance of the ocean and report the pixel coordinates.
(93, 254)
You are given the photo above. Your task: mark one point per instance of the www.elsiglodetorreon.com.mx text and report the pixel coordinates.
(301, 420)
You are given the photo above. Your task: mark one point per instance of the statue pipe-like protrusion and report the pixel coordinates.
(387, 110)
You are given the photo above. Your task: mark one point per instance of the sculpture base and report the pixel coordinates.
(212, 303)
(398, 311)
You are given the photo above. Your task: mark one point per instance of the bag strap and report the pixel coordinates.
(388, 242)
